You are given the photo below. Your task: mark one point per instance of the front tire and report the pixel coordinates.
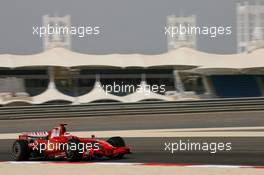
(20, 150)
(117, 142)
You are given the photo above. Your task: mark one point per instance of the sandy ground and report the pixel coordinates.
(84, 169)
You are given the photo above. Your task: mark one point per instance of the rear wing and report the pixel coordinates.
(27, 135)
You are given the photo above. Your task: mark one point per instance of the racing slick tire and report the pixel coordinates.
(73, 155)
(117, 142)
(20, 150)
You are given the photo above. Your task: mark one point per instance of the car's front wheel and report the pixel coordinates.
(117, 142)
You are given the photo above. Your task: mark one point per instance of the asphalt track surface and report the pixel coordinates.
(153, 121)
(246, 151)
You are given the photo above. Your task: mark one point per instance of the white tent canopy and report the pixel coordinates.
(98, 93)
(66, 58)
(181, 57)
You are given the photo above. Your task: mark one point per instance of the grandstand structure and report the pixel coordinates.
(203, 75)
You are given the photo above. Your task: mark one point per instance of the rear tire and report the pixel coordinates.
(73, 155)
(20, 150)
(117, 142)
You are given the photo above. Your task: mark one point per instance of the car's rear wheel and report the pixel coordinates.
(20, 150)
(117, 142)
(73, 154)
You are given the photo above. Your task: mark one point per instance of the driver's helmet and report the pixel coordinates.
(55, 132)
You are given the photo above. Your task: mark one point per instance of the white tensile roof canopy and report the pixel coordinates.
(179, 58)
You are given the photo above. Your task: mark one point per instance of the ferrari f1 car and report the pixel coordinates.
(60, 144)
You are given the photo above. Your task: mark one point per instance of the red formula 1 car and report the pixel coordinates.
(60, 144)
